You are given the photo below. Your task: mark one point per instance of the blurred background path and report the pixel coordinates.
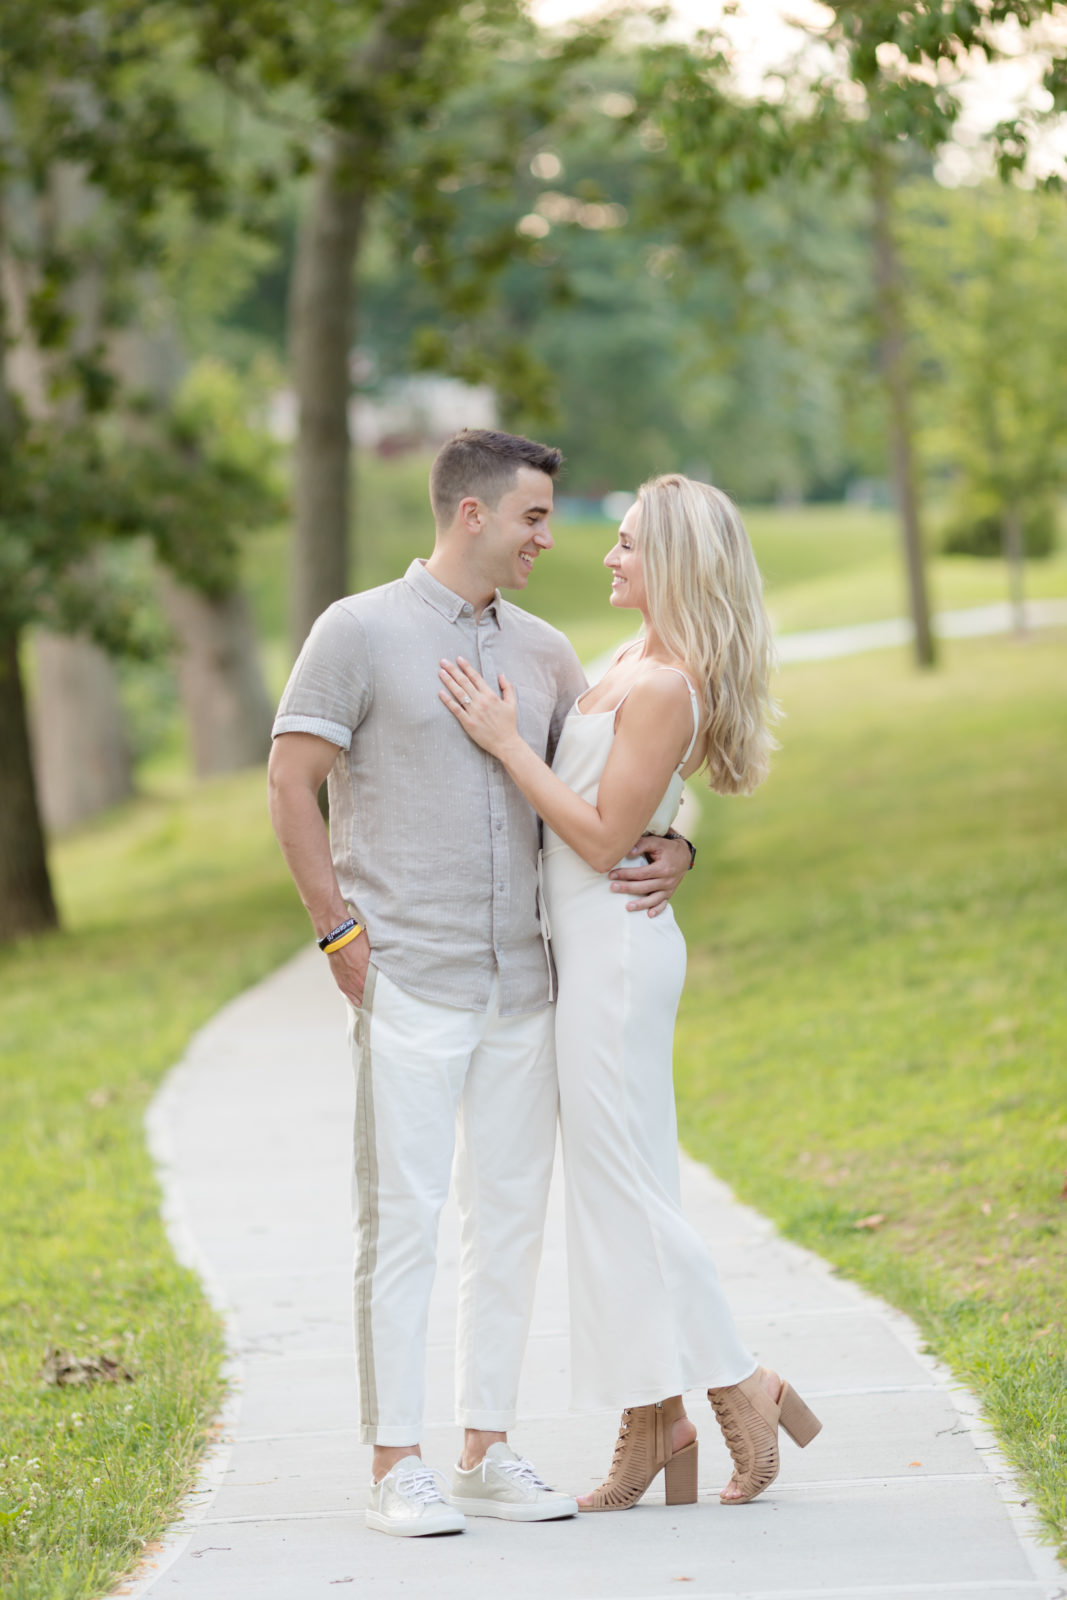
(972, 622)
(903, 1494)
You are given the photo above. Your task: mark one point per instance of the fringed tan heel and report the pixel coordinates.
(642, 1450)
(750, 1420)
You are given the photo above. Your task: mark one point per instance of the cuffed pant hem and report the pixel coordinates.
(487, 1421)
(390, 1437)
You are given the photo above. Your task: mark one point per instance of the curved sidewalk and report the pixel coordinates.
(902, 1495)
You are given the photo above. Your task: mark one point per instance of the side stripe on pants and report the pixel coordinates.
(366, 1207)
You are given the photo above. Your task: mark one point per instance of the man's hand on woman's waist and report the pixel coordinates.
(650, 884)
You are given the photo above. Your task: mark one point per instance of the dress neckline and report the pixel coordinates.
(610, 711)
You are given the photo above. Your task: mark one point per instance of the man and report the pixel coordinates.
(444, 962)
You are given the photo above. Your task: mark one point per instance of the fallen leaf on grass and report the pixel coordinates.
(67, 1371)
(875, 1220)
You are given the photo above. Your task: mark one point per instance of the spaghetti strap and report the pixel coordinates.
(612, 711)
(695, 704)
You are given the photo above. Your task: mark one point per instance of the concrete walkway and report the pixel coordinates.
(975, 622)
(902, 1495)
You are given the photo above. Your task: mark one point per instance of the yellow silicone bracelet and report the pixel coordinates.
(339, 944)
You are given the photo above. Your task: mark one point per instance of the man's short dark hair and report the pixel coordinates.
(483, 463)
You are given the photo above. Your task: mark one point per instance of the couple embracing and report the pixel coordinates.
(509, 955)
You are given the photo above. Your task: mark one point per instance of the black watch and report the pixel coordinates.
(671, 833)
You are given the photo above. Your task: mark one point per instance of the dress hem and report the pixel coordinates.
(652, 1396)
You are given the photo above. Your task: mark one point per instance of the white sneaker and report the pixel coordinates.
(506, 1485)
(408, 1502)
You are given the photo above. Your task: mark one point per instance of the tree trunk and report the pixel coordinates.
(227, 709)
(897, 379)
(1011, 532)
(321, 335)
(81, 753)
(26, 903)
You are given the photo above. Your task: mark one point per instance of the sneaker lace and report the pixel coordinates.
(420, 1485)
(522, 1471)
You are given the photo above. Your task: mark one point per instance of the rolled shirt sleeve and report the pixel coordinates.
(330, 687)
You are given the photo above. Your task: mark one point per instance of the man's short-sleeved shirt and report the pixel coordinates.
(431, 841)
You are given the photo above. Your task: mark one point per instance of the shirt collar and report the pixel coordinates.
(452, 606)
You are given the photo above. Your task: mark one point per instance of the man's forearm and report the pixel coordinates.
(305, 844)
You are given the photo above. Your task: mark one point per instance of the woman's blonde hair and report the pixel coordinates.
(705, 601)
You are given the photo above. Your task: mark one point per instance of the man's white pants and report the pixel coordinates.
(432, 1080)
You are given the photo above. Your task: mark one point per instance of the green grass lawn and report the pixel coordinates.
(171, 906)
(875, 1021)
(876, 591)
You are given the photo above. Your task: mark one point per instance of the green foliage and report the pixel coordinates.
(739, 353)
(189, 477)
(95, 140)
(909, 63)
(87, 93)
(987, 267)
(206, 476)
(979, 531)
(875, 1018)
(172, 905)
(61, 498)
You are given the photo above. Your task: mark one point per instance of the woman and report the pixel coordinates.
(648, 1315)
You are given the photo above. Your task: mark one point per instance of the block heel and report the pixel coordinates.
(750, 1420)
(680, 1476)
(798, 1419)
(642, 1451)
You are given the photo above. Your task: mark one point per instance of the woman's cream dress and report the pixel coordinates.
(648, 1313)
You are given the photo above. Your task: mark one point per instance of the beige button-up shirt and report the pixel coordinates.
(431, 841)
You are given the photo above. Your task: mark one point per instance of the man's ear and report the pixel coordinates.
(471, 514)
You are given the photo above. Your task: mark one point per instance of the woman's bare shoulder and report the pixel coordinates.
(659, 692)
